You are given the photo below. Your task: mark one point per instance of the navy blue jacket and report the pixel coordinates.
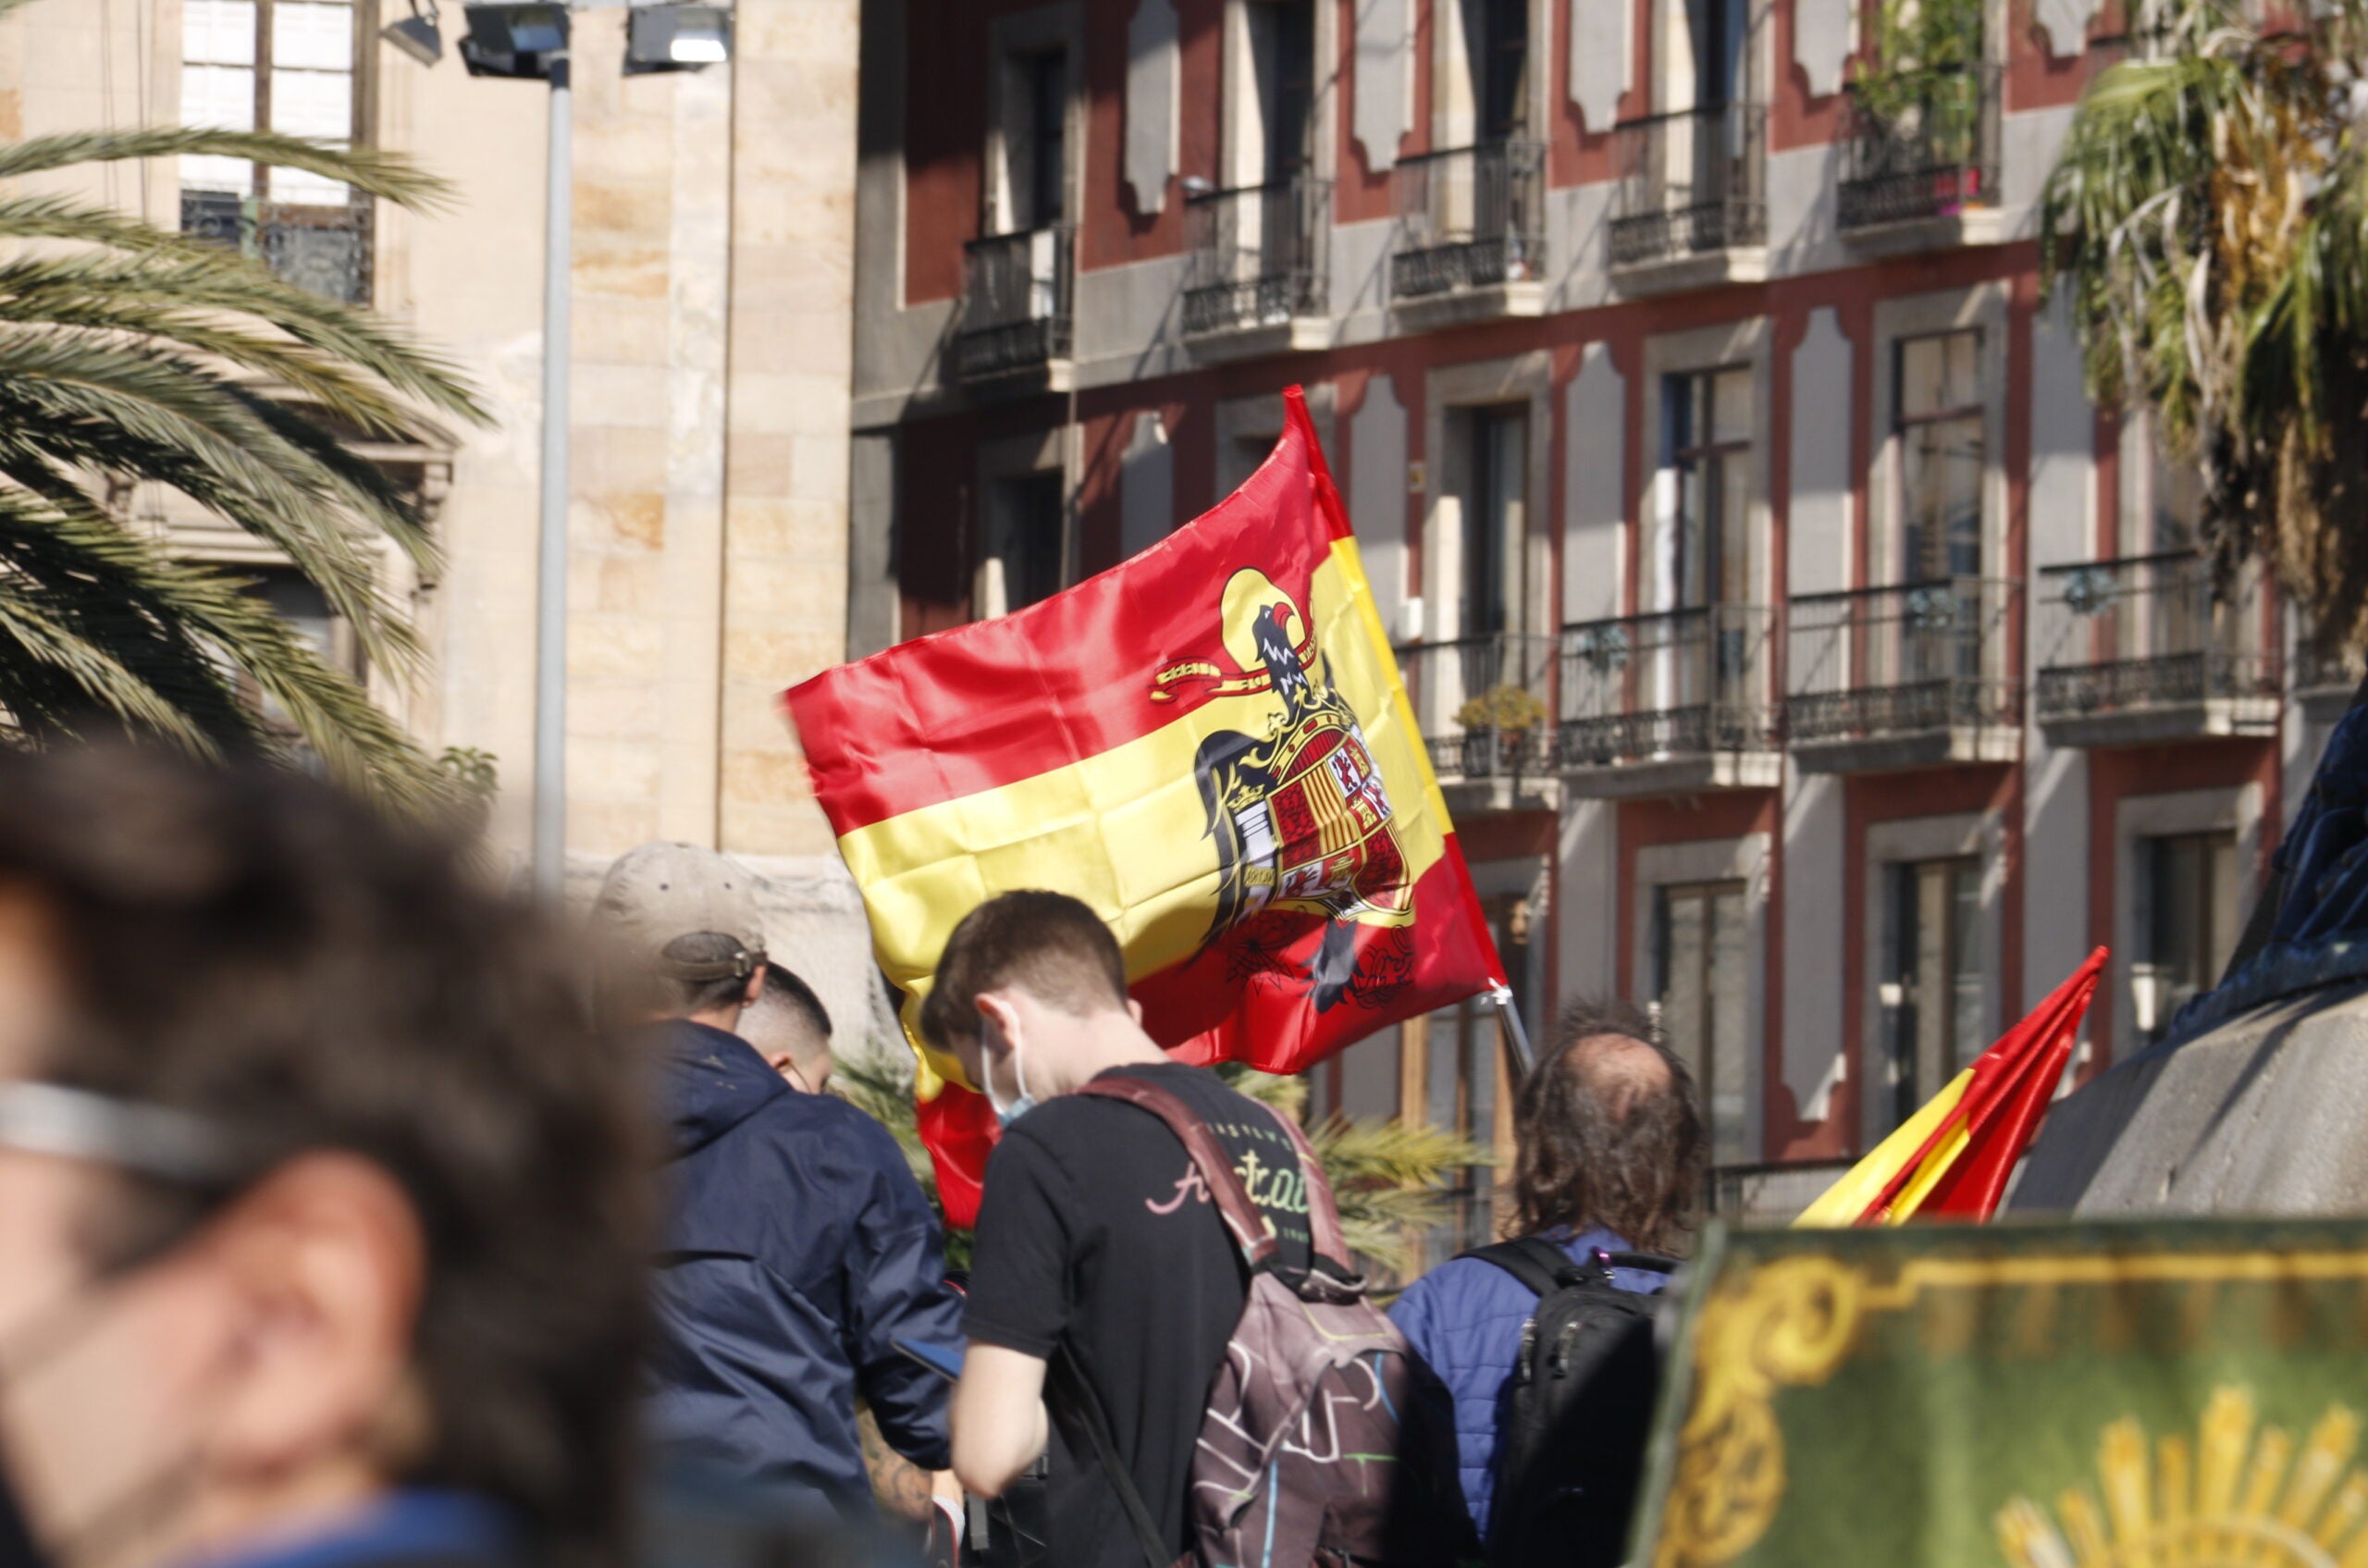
(798, 1251)
(1464, 1319)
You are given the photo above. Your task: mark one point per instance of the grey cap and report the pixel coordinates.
(655, 897)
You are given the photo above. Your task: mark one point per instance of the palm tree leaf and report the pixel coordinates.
(382, 174)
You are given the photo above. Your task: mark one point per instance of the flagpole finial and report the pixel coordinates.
(1502, 997)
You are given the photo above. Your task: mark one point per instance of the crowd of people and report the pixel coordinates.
(346, 1220)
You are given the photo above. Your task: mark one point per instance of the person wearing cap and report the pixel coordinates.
(800, 1256)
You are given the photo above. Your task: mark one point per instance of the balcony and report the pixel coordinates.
(323, 249)
(1017, 297)
(1470, 242)
(1692, 207)
(2140, 649)
(1920, 161)
(1669, 704)
(1259, 274)
(1485, 707)
(2326, 679)
(1906, 676)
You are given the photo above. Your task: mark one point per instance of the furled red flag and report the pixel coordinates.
(1208, 744)
(1953, 1157)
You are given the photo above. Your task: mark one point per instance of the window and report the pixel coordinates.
(2187, 923)
(1701, 968)
(1024, 556)
(1716, 33)
(1030, 188)
(1710, 461)
(2160, 501)
(1497, 33)
(1493, 517)
(285, 65)
(1935, 989)
(297, 600)
(1282, 53)
(1939, 429)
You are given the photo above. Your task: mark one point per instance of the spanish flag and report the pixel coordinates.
(1952, 1159)
(1210, 746)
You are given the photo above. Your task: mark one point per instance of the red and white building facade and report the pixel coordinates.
(1802, 653)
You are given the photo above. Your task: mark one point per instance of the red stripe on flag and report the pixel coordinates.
(947, 715)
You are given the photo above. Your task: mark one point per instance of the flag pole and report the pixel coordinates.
(1510, 1017)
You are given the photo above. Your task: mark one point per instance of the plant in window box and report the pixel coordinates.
(1497, 725)
(1920, 86)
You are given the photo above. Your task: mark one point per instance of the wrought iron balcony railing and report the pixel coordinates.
(1682, 683)
(1486, 703)
(2149, 632)
(1914, 657)
(1016, 303)
(1920, 144)
(1259, 254)
(2329, 673)
(1690, 182)
(1469, 218)
(324, 249)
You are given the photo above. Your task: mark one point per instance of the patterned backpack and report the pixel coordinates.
(1326, 1441)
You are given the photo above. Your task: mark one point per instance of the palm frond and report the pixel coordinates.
(382, 174)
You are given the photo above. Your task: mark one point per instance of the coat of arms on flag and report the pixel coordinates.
(1209, 745)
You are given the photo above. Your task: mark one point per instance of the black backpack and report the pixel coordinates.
(1571, 1445)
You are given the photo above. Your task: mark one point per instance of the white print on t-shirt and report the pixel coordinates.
(1280, 1187)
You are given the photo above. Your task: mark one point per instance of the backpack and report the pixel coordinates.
(1301, 1457)
(1571, 1446)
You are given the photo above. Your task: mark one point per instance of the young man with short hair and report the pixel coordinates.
(791, 1029)
(799, 1251)
(1611, 1159)
(1097, 1250)
(322, 1208)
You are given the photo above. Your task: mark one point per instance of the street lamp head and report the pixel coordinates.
(677, 37)
(417, 35)
(512, 40)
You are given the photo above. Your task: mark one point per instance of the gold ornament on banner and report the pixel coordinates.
(1788, 1325)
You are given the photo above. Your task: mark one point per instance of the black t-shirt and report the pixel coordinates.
(1095, 1236)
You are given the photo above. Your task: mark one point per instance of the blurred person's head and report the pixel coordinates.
(314, 1179)
(1028, 996)
(1609, 1132)
(681, 935)
(791, 1029)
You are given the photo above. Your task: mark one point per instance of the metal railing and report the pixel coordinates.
(1773, 1193)
(1681, 682)
(1469, 218)
(320, 248)
(2149, 631)
(1920, 143)
(1016, 291)
(1259, 254)
(2325, 671)
(1692, 181)
(1894, 660)
(1486, 703)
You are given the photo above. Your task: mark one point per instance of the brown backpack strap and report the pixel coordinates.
(1322, 1213)
(1232, 1199)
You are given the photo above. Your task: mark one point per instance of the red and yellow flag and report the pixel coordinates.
(1952, 1159)
(1210, 746)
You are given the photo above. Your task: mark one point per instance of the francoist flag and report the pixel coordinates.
(1210, 746)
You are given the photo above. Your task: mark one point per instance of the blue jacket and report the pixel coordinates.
(1464, 1319)
(798, 1251)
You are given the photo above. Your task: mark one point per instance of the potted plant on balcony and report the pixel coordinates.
(1918, 88)
(1497, 725)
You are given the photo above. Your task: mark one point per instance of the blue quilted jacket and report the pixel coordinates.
(1464, 1319)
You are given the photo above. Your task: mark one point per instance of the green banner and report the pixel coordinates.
(2162, 1395)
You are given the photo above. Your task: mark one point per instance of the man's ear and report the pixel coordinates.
(1135, 1011)
(995, 1009)
(755, 988)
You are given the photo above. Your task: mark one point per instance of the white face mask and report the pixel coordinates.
(1019, 1107)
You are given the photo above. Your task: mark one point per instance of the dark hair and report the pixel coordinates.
(302, 972)
(682, 997)
(788, 989)
(1047, 943)
(1603, 1143)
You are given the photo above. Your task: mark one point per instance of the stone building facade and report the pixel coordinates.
(713, 249)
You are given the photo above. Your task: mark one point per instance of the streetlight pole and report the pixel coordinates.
(550, 597)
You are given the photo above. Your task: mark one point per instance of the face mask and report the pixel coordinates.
(1005, 1114)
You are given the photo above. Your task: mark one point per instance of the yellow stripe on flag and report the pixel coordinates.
(1847, 1200)
(1125, 830)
